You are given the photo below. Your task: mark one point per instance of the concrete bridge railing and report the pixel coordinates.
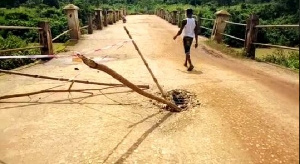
(220, 22)
(97, 20)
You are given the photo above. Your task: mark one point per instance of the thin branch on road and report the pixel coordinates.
(43, 91)
(68, 80)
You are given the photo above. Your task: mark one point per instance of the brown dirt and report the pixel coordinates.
(248, 112)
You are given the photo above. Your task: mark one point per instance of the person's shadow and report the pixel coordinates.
(195, 72)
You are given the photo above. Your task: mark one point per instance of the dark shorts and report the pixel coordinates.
(187, 43)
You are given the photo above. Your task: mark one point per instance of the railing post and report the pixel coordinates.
(169, 17)
(179, 19)
(99, 22)
(199, 23)
(124, 12)
(174, 17)
(45, 38)
(105, 17)
(110, 17)
(114, 16)
(90, 24)
(251, 36)
(160, 13)
(120, 15)
(219, 25)
(73, 21)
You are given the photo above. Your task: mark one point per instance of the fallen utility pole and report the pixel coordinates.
(69, 80)
(101, 67)
(147, 65)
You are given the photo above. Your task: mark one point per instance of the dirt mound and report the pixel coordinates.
(182, 98)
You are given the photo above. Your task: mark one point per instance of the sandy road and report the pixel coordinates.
(248, 113)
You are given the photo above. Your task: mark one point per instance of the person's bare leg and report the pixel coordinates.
(186, 60)
(190, 63)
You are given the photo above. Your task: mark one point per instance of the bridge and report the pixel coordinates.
(246, 111)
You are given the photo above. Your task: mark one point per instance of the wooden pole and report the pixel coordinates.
(20, 49)
(45, 38)
(251, 36)
(94, 65)
(69, 80)
(90, 24)
(19, 28)
(147, 65)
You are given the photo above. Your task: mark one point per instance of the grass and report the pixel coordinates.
(59, 47)
(264, 52)
(224, 49)
(283, 57)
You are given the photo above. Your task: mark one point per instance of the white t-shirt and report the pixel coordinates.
(189, 28)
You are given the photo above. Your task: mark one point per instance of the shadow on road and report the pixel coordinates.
(141, 139)
(1, 162)
(132, 128)
(195, 72)
(61, 101)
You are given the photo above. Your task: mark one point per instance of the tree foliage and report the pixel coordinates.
(30, 12)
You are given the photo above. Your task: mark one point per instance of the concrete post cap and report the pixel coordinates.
(71, 7)
(222, 12)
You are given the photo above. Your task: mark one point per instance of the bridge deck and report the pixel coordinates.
(248, 113)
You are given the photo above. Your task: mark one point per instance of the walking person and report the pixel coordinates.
(189, 27)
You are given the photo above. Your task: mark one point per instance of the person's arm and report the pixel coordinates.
(196, 34)
(183, 23)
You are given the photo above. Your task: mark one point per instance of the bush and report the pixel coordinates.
(18, 15)
(278, 57)
(50, 13)
(14, 42)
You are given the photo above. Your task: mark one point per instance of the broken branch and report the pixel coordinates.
(69, 80)
(101, 67)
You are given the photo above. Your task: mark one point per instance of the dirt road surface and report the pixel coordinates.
(248, 112)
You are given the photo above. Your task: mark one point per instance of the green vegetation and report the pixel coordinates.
(30, 12)
(274, 12)
(225, 49)
(287, 58)
(14, 42)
